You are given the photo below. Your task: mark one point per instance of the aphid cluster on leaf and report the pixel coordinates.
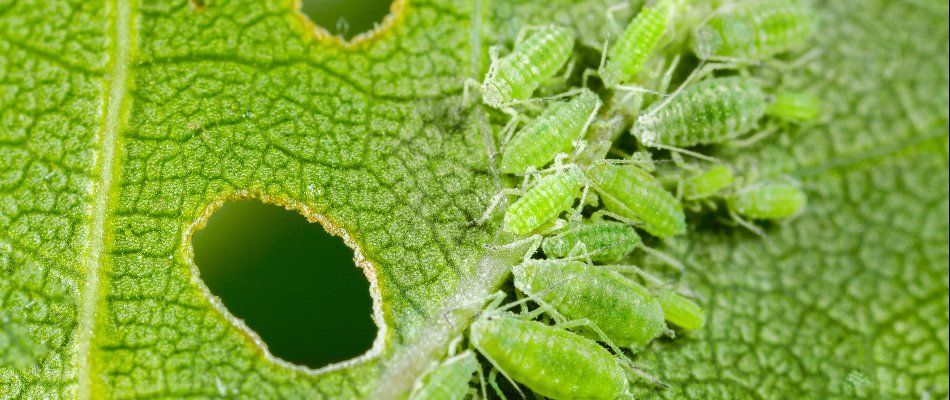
(586, 192)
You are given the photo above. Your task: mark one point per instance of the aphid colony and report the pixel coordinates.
(586, 192)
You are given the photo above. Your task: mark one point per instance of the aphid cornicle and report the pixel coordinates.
(634, 194)
(680, 310)
(553, 132)
(708, 183)
(637, 43)
(755, 30)
(627, 313)
(604, 242)
(449, 380)
(551, 361)
(707, 112)
(767, 201)
(544, 201)
(535, 59)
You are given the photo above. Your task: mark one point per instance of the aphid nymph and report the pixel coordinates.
(538, 54)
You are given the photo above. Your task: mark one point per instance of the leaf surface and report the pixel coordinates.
(122, 124)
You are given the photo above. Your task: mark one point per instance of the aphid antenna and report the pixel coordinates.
(755, 138)
(494, 203)
(748, 225)
(600, 214)
(701, 70)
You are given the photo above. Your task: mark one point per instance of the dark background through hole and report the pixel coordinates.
(289, 280)
(360, 15)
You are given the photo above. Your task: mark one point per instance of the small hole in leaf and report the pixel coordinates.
(346, 18)
(289, 280)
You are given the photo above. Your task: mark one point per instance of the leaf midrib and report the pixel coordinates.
(115, 105)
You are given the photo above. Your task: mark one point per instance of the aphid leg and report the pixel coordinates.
(600, 214)
(748, 225)
(666, 258)
(494, 203)
(603, 56)
(753, 139)
(481, 380)
(470, 84)
(635, 270)
(638, 373)
(493, 381)
(639, 89)
(668, 75)
(580, 250)
(534, 242)
(684, 151)
(577, 216)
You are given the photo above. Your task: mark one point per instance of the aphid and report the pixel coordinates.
(707, 112)
(449, 380)
(767, 201)
(544, 201)
(641, 37)
(755, 30)
(551, 361)
(794, 107)
(604, 242)
(553, 132)
(708, 183)
(535, 59)
(626, 313)
(633, 194)
(679, 310)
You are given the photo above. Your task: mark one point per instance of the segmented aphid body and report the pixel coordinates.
(604, 242)
(535, 59)
(707, 112)
(544, 201)
(708, 183)
(679, 310)
(552, 362)
(449, 380)
(633, 193)
(553, 132)
(755, 30)
(794, 107)
(627, 313)
(767, 201)
(638, 42)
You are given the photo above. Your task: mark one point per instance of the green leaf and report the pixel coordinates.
(123, 124)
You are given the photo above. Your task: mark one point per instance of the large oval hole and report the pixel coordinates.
(289, 280)
(346, 18)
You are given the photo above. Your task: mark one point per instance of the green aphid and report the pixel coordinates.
(543, 202)
(708, 183)
(626, 313)
(794, 107)
(449, 380)
(767, 201)
(534, 60)
(755, 30)
(679, 310)
(604, 241)
(550, 361)
(633, 194)
(554, 131)
(637, 43)
(707, 112)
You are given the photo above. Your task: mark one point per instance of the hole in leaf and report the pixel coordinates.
(289, 280)
(346, 18)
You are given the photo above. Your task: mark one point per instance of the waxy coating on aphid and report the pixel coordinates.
(603, 242)
(627, 313)
(535, 59)
(794, 107)
(707, 112)
(627, 56)
(755, 30)
(708, 183)
(680, 310)
(550, 196)
(449, 380)
(550, 361)
(553, 132)
(767, 201)
(633, 193)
